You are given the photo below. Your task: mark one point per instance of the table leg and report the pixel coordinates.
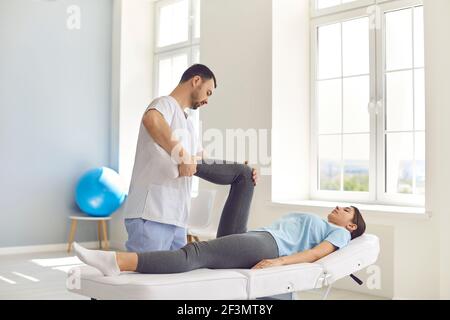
(99, 234)
(73, 229)
(105, 234)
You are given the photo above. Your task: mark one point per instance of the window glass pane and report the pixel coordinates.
(196, 18)
(420, 163)
(356, 162)
(170, 71)
(173, 23)
(355, 37)
(419, 44)
(419, 99)
(399, 163)
(356, 100)
(329, 40)
(399, 101)
(329, 93)
(195, 55)
(165, 77)
(399, 39)
(179, 65)
(330, 162)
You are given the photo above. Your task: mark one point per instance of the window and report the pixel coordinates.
(177, 46)
(177, 41)
(323, 7)
(368, 102)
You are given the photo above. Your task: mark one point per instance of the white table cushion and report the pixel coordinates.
(282, 279)
(201, 284)
(359, 254)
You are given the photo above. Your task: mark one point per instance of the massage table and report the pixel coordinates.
(229, 284)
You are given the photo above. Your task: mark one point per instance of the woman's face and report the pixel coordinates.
(343, 217)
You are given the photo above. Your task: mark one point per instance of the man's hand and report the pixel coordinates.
(255, 175)
(189, 168)
(268, 263)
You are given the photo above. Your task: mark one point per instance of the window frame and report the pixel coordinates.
(192, 4)
(340, 14)
(397, 199)
(190, 47)
(164, 55)
(316, 194)
(315, 12)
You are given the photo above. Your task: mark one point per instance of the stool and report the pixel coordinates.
(101, 228)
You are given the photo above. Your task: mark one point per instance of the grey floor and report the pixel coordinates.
(47, 272)
(43, 276)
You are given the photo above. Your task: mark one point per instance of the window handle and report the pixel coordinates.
(371, 107)
(375, 107)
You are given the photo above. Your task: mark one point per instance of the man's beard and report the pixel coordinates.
(195, 103)
(196, 106)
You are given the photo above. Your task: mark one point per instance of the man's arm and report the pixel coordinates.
(160, 131)
(308, 256)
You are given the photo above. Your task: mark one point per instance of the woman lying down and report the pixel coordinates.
(295, 238)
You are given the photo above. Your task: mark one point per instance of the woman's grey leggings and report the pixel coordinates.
(233, 248)
(237, 206)
(240, 251)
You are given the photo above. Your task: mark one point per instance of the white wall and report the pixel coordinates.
(290, 117)
(236, 43)
(437, 42)
(54, 115)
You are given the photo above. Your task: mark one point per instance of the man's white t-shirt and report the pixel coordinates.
(157, 193)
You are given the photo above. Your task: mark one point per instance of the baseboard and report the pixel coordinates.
(43, 248)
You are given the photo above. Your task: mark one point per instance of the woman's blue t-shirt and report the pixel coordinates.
(297, 232)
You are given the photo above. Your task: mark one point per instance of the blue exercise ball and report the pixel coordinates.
(100, 192)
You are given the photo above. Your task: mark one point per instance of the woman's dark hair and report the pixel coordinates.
(360, 224)
(198, 70)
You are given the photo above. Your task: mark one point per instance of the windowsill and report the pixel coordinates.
(386, 214)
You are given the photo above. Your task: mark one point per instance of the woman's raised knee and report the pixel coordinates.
(245, 172)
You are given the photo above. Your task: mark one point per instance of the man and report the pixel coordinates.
(167, 157)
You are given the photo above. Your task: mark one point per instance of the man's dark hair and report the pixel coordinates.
(360, 223)
(198, 70)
